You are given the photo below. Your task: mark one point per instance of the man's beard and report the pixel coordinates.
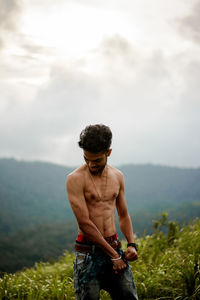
(97, 170)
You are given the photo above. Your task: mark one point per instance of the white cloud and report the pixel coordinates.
(148, 96)
(9, 14)
(189, 25)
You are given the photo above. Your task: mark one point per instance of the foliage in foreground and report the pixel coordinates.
(167, 268)
(169, 265)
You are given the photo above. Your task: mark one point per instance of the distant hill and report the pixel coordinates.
(152, 189)
(32, 193)
(160, 185)
(34, 205)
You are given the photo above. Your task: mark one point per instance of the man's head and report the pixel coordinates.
(95, 140)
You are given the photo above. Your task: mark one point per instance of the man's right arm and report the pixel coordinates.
(76, 197)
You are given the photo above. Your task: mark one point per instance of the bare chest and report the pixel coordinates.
(97, 191)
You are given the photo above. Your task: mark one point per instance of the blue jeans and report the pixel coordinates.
(93, 272)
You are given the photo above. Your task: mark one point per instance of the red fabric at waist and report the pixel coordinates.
(111, 238)
(82, 239)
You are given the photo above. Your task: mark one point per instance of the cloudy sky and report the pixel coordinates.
(131, 64)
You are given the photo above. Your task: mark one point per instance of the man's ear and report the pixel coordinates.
(109, 152)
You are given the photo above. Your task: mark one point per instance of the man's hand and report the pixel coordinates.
(119, 265)
(131, 254)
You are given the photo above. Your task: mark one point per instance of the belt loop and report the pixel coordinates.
(93, 249)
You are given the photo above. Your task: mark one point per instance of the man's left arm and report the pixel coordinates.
(125, 221)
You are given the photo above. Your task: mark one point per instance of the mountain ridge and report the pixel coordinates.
(34, 192)
(37, 222)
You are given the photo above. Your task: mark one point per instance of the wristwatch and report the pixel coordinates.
(132, 245)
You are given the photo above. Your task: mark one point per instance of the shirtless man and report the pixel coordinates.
(94, 190)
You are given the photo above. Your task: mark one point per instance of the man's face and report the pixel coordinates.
(96, 161)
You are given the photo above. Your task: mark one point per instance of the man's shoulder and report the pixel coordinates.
(77, 174)
(116, 171)
(75, 180)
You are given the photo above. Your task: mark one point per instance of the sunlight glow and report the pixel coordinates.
(73, 30)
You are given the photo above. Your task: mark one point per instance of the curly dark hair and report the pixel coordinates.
(95, 138)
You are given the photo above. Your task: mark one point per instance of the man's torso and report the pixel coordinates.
(101, 195)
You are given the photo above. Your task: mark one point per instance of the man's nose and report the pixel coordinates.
(92, 164)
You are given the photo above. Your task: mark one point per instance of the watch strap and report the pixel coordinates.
(133, 245)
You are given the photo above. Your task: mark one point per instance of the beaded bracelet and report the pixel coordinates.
(118, 258)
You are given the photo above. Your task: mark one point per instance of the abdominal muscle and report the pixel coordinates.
(103, 216)
(102, 210)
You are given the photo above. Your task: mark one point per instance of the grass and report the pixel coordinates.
(168, 268)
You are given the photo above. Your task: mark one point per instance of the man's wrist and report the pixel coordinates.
(116, 255)
(118, 258)
(133, 245)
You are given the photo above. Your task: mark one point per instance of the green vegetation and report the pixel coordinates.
(169, 265)
(168, 268)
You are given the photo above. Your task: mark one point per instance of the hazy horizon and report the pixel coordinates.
(117, 166)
